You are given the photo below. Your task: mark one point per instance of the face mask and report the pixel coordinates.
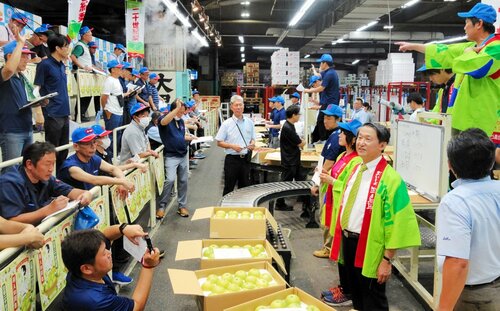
(105, 142)
(144, 122)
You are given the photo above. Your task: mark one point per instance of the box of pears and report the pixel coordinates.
(220, 288)
(236, 222)
(225, 252)
(291, 299)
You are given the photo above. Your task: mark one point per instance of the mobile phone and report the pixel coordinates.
(148, 242)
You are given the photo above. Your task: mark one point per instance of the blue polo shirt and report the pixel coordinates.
(172, 137)
(12, 97)
(18, 195)
(144, 94)
(332, 149)
(84, 295)
(277, 117)
(51, 77)
(331, 93)
(92, 168)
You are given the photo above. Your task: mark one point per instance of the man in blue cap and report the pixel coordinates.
(477, 65)
(8, 32)
(38, 42)
(135, 143)
(144, 96)
(119, 53)
(81, 59)
(112, 100)
(295, 98)
(51, 77)
(329, 94)
(278, 116)
(16, 130)
(153, 81)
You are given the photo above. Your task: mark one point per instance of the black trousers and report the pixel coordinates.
(291, 173)
(236, 171)
(97, 104)
(366, 294)
(57, 133)
(84, 105)
(344, 280)
(319, 132)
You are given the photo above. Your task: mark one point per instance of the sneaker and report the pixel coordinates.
(283, 208)
(335, 298)
(199, 156)
(183, 212)
(160, 213)
(322, 253)
(121, 279)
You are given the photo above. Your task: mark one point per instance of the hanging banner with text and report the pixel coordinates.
(135, 22)
(76, 14)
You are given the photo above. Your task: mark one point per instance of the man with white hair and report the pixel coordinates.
(237, 136)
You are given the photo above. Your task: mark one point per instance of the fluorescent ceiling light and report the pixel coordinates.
(245, 3)
(242, 55)
(409, 4)
(341, 40)
(450, 0)
(370, 24)
(388, 26)
(202, 40)
(307, 56)
(355, 62)
(454, 39)
(245, 14)
(172, 6)
(242, 49)
(242, 40)
(266, 47)
(300, 13)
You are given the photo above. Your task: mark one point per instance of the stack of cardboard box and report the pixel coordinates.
(285, 67)
(251, 73)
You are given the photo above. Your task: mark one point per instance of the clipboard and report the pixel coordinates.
(136, 90)
(38, 101)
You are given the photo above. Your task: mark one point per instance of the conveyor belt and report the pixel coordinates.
(256, 194)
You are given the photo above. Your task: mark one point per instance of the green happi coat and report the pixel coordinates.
(477, 103)
(393, 224)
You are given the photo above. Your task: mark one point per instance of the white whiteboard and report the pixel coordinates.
(418, 156)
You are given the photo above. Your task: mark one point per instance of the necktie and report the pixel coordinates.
(344, 222)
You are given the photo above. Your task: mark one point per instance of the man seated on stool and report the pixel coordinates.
(29, 192)
(87, 257)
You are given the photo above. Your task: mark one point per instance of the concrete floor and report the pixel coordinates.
(307, 272)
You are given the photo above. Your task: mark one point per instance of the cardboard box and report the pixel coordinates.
(266, 301)
(193, 250)
(186, 283)
(236, 228)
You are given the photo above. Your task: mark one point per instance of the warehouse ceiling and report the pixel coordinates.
(267, 25)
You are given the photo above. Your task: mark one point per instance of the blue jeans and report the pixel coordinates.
(176, 167)
(13, 144)
(110, 124)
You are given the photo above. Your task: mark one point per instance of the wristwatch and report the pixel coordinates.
(122, 227)
(389, 260)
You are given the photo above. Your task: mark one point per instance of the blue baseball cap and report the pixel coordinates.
(164, 109)
(481, 11)
(333, 110)
(85, 29)
(153, 75)
(137, 107)
(99, 130)
(41, 30)
(121, 47)
(127, 65)
(11, 46)
(352, 126)
(195, 92)
(296, 95)
(114, 64)
(189, 103)
(135, 72)
(83, 135)
(279, 99)
(143, 70)
(272, 99)
(313, 79)
(325, 58)
(20, 17)
(92, 44)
